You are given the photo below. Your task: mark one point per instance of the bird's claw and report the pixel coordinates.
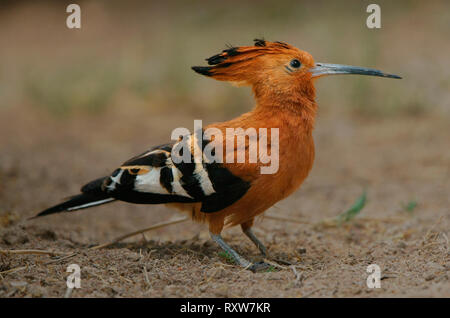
(259, 267)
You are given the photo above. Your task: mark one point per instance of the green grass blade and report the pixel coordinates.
(354, 210)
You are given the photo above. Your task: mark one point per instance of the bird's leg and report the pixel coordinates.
(227, 248)
(249, 233)
(260, 266)
(247, 229)
(215, 227)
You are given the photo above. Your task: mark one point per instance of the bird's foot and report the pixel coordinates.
(260, 267)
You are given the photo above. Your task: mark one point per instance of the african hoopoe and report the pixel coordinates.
(227, 194)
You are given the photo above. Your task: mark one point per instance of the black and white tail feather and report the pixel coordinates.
(91, 195)
(154, 178)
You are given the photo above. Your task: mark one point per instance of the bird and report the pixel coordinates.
(226, 193)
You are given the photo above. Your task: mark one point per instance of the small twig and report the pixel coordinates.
(153, 227)
(13, 270)
(446, 239)
(286, 219)
(229, 265)
(274, 264)
(298, 276)
(310, 293)
(430, 244)
(146, 276)
(61, 258)
(428, 234)
(212, 275)
(36, 252)
(243, 269)
(385, 219)
(125, 279)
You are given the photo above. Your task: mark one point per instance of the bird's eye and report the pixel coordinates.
(295, 63)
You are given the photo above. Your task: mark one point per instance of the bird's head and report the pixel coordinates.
(275, 69)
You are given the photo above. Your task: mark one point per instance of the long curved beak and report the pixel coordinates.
(323, 69)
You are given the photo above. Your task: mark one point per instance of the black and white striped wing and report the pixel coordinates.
(153, 178)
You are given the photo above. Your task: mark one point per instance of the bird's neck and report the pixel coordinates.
(299, 108)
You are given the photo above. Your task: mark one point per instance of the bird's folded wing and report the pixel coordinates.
(153, 177)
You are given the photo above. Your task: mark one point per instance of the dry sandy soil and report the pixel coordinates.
(397, 161)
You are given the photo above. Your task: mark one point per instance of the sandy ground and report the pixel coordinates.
(397, 161)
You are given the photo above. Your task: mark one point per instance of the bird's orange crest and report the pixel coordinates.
(249, 64)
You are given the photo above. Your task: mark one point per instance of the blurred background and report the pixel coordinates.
(140, 52)
(75, 103)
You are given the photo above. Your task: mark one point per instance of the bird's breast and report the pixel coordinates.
(296, 158)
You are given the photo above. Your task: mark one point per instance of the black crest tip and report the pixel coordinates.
(260, 42)
(283, 44)
(232, 51)
(204, 70)
(215, 59)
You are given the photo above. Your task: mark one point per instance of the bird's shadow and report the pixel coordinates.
(199, 249)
